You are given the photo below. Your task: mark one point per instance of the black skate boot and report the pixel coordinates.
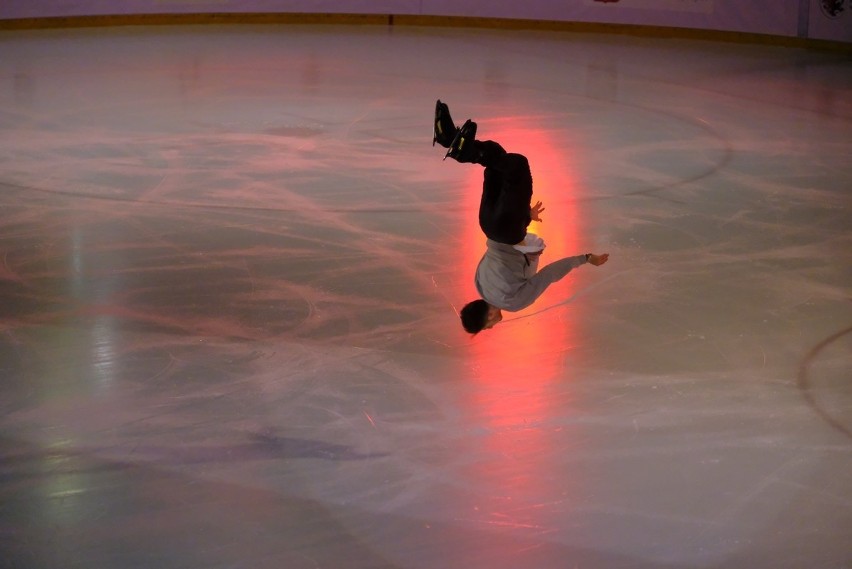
(461, 147)
(444, 129)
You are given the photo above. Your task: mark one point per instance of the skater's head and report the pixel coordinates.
(478, 315)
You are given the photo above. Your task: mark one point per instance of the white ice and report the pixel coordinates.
(232, 261)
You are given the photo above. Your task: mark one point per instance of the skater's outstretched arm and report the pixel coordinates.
(538, 283)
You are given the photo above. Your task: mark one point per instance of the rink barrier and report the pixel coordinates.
(391, 20)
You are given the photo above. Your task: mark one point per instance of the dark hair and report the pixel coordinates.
(473, 316)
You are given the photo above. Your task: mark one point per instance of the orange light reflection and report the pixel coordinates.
(518, 367)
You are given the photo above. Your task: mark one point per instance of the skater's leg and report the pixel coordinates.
(466, 149)
(504, 209)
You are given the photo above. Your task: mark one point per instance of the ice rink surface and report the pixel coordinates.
(232, 261)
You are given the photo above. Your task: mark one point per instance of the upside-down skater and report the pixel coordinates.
(507, 277)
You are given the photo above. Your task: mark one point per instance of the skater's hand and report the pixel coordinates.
(598, 260)
(535, 211)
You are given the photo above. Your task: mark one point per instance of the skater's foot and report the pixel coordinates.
(461, 148)
(444, 130)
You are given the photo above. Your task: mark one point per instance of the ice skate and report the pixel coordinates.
(461, 148)
(444, 129)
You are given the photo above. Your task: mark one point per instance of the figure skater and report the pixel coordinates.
(507, 277)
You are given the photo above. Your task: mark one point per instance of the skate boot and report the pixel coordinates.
(461, 148)
(444, 128)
